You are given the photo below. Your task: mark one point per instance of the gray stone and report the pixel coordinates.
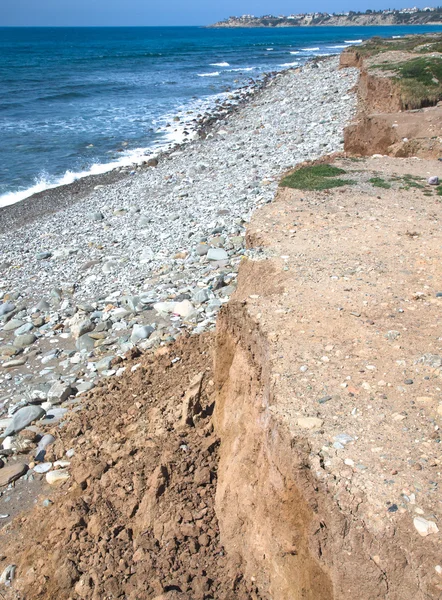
(22, 341)
(43, 255)
(95, 216)
(201, 296)
(79, 328)
(217, 254)
(42, 306)
(141, 332)
(54, 415)
(85, 342)
(25, 328)
(24, 417)
(84, 386)
(104, 364)
(40, 451)
(202, 249)
(13, 324)
(59, 392)
(130, 302)
(6, 307)
(433, 180)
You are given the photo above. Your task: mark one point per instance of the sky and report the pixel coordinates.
(166, 12)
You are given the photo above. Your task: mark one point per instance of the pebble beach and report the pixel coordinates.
(146, 252)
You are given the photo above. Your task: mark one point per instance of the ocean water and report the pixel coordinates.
(75, 101)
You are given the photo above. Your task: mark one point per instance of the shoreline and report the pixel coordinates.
(59, 197)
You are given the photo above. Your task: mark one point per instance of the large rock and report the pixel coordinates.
(22, 341)
(12, 472)
(25, 328)
(6, 308)
(80, 325)
(24, 417)
(59, 392)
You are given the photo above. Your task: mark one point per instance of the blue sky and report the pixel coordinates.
(165, 12)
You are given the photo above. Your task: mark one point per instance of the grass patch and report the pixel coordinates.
(379, 182)
(439, 190)
(414, 43)
(419, 80)
(410, 181)
(317, 177)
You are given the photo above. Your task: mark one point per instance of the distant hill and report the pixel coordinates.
(405, 16)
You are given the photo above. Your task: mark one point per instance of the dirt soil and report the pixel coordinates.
(136, 520)
(381, 126)
(329, 390)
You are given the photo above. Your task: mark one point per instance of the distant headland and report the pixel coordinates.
(404, 16)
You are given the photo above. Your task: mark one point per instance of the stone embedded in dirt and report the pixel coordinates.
(12, 472)
(17, 362)
(184, 309)
(24, 417)
(310, 422)
(191, 402)
(57, 477)
(433, 180)
(7, 577)
(425, 527)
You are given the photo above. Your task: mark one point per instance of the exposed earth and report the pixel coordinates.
(292, 453)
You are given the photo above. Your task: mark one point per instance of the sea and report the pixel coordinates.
(80, 101)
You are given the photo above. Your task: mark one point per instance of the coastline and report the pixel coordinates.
(59, 197)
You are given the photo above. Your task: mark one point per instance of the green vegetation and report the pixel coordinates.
(316, 177)
(439, 190)
(410, 181)
(379, 182)
(413, 43)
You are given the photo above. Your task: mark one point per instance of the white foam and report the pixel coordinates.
(294, 52)
(269, 49)
(293, 64)
(242, 69)
(310, 49)
(43, 183)
(353, 41)
(338, 46)
(215, 74)
(220, 64)
(396, 37)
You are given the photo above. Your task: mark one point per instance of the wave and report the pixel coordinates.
(310, 49)
(220, 64)
(338, 46)
(240, 69)
(269, 49)
(293, 64)
(215, 74)
(353, 41)
(396, 37)
(63, 96)
(294, 52)
(44, 183)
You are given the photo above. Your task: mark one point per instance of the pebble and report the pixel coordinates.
(422, 526)
(310, 422)
(433, 180)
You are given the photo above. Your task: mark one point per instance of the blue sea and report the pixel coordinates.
(75, 101)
